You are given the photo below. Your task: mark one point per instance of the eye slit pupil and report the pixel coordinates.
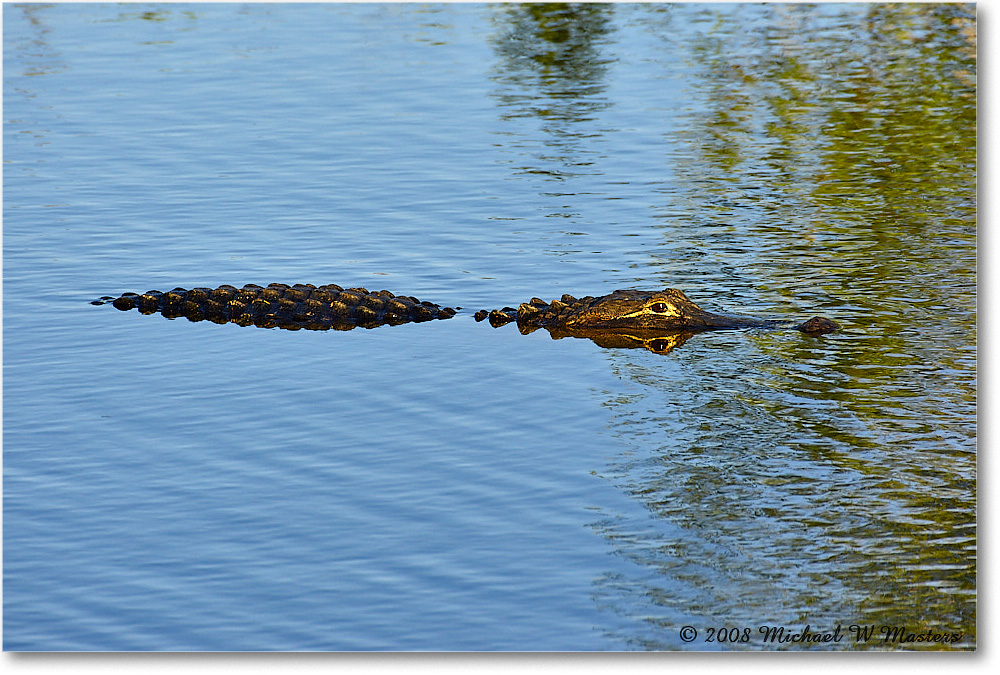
(659, 307)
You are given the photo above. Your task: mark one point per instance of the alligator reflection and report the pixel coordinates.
(658, 342)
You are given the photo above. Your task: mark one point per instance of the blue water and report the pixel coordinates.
(171, 485)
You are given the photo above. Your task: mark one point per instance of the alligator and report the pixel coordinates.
(655, 320)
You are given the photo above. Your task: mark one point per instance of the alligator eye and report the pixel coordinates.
(659, 307)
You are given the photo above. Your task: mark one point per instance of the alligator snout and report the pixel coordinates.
(818, 325)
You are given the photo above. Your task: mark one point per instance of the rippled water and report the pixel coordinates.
(187, 486)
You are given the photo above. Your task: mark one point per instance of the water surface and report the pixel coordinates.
(171, 485)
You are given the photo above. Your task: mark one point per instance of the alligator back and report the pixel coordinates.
(302, 306)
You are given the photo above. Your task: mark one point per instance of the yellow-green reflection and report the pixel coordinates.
(839, 158)
(551, 67)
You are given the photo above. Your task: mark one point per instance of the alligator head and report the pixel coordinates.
(652, 310)
(666, 310)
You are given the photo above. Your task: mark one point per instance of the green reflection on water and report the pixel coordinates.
(551, 66)
(841, 156)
